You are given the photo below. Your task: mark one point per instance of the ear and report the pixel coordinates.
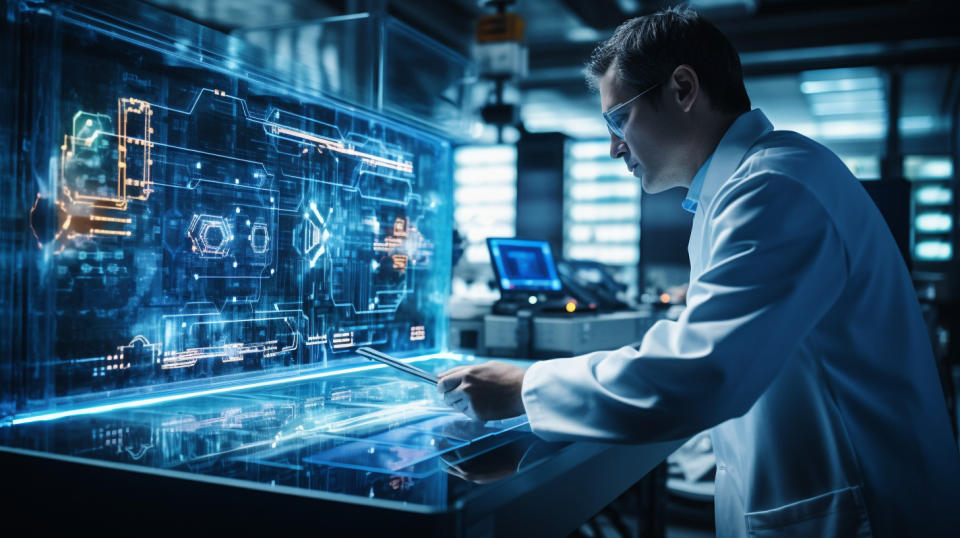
(685, 87)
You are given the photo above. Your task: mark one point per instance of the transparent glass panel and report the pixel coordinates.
(366, 59)
(338, 55)
(437, 91)
(180, 217)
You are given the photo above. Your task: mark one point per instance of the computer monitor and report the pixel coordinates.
(523, 265)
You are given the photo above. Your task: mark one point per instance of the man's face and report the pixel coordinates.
(651, 138)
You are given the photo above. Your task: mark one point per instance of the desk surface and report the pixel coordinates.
(342, 447)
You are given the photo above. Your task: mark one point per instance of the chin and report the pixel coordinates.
(652, 186)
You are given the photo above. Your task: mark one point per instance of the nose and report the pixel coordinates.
(618, 148)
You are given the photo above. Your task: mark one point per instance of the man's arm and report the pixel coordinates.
(776, 266)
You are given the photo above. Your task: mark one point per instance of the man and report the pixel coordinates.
(802, 342)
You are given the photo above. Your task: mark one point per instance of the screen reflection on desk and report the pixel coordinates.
(372, 433)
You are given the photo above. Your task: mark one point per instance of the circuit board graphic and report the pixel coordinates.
(199, 224)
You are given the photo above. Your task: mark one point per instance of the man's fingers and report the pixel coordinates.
(453, 370)
(446, 384)
(452, 397)
(450, 380)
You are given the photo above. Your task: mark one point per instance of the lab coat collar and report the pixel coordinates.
(739, 138)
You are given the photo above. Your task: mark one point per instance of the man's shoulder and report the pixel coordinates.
(785, 149)
(798, 170)
(793, 156)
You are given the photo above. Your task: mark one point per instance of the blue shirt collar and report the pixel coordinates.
(692, 200)
(740, 137)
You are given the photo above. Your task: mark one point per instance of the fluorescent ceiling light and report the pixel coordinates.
(850, 96)
(933, 250)
(842, 85)
(934, 222)
(933, 195)
(591, 170)
(582, 34)
(872, 108)
(927, 167)
(590, 150)
(485, 155)
(917, 124)
(853, 129)
(485, 175)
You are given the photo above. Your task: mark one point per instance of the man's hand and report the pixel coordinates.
(483, 392)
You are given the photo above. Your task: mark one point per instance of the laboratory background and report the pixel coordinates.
(208, 208)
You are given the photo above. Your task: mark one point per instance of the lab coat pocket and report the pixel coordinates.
(840, 512)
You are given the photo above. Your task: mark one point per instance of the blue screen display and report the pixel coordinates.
(178, 217)
(524, 265)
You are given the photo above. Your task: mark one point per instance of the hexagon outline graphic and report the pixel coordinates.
(199, 234)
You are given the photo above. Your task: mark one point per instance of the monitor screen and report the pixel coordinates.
(523, 265)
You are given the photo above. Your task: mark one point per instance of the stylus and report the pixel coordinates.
(373, 354)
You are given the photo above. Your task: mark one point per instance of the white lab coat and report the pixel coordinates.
(802, 342)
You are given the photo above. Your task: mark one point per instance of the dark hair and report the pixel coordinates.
(647, 49)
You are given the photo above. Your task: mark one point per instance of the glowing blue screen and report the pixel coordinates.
(524, 265)
(174, 216)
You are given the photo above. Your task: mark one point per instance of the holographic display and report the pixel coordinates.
(182, 217)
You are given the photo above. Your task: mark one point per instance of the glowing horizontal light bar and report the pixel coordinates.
(478, 234)
(485, 155)
(470, 215)
(590, 150)
(596, 191)
(110, 219)
(485, 194)
(616, 233)
(100, 231)
(933, 195)
(915, 125)
(545, 119)
(486, 175)
(863, 166)
(860, 96)
(332, 145)
(206, 392)
(933, 250)
(604, 212)
(477, 254)
(593, 170)
(934, 222)
(841, 85)
(853, 129)
(580, 233)
(583, 34)
(838, 108)
(927, 167)
(616, 255)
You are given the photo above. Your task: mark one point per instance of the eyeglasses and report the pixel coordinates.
(617, 116)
